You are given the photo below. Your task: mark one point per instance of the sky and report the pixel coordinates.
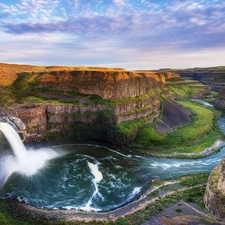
(138, 34)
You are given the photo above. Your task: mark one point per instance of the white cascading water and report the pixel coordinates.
(14, 141)
(23, 161)
(97, 178)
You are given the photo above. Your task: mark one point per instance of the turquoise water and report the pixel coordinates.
(90, 177)
(68, 182)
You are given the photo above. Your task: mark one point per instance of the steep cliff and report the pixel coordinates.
(212, 76)
(214, 197)
(220, 99)
(86, 103)
(82, 122)
(10, 72)
(173, 115)
(107, 84)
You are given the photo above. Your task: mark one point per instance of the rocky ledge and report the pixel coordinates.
(214, 197)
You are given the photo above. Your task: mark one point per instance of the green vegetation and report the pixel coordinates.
(192, 180)
(193, 194)
(99, 130)
(3, 220)
(6, 96)
(21, 84)
(185, 89)
(211, 98)
(178, 210)
(192, 138)
(201, 133)
(220, 78)
(92, 99)
(126, 131)
(15, 215)
(152, 94)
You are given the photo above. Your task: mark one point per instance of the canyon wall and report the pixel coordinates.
(212, 76)
(59, 122)
(107, 84)
(214, 197)
(84, 103)
(220, 99)
(122, 96)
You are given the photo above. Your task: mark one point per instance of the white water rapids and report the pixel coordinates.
(23, 162)
(29, 162)
(97, 178)
(86, 177)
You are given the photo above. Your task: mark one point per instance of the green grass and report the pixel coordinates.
(3, 220)
(17, 216)
(194, 179)
(21, 84)
(202, 132)
(6, 96)
(185, 90)
(127, 130)
(152, 94)
(194, 195)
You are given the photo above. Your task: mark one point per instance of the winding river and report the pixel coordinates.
(92, 177)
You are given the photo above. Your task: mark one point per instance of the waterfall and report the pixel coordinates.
(26, 162)
(14, 141)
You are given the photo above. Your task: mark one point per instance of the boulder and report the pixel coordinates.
(214, 197)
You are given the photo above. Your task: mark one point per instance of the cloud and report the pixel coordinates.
(110, 32)
(6, 11)
(119, 2)
(51, 49)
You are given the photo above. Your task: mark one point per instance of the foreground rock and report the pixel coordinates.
(215, 191)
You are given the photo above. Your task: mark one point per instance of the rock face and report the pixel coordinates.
(174, 115)
(220, 99)
(16, 123)
(107, 84)
(81, 103)
(78, 122)
(10, 72)
(214, 197)
(35, 118)
(213, 76)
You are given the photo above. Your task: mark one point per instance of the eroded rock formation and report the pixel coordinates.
(212, 76)
(214, 197)
(107, 84)
(215, 192)
(82, 103)
(220, 99)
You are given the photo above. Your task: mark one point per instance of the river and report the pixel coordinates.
(97, 178)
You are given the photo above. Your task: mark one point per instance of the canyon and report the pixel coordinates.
(105, 105)
(85, 103)
(213, 76)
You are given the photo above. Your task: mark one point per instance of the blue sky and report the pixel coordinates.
(137, 34)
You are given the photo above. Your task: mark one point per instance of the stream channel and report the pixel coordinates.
(97, 178)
